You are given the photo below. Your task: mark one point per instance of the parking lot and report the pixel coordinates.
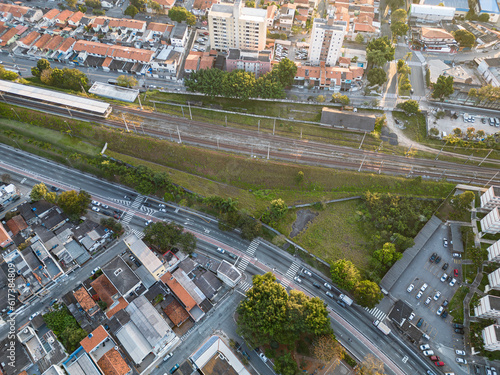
(479, 122)
(443, 340)
(201, 42)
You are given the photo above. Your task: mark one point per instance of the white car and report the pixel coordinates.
(453, 281)
(148, 222)
(104, 206)
(419, 295)
(440, 310)
(162, 210)
(167, 357)
(461, 360)
(298, 279)
(459, 352)
(437, 295)
(424, 287)
(410, 288)
(307, 272)
(95, 203)
(222, 251)
(161, 205)
(33, 315)
(428, 300)
(412, 315)
(95, 270)
(263, 357)
(444, 277)
(425, 347)
(96, 209)
(428, 353)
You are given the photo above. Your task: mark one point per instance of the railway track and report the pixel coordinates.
(267, 146)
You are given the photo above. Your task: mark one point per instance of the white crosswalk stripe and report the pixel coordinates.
(285, 282)
(138, 233)
(123, 202)
(252, 247)
(148, 210)
(244, 286)
(242, 265)
(377, 313)
(292, 271)
(137, 202)
(127, 217)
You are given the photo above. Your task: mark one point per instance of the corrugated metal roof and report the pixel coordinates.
(490, 6)
(55, 97)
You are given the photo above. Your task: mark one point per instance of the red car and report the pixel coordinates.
(455, 272)
(434, 358)
(439, 364)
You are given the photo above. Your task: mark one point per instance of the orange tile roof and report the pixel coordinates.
(122, 52)
(76, 17)
(66, 45)
(104, 289)
(364, 18)
(344, 60)
(160, 27)
(364, 27)
(4, 236)
(204, 4)
(166, 3)
(122, 303)
(301, 18)
(271, 10)
(84, 299)
(51, 14)
(44, 39)
(192, 61)
(17, 224)
(99, 21)
(176, 313)
(179, 291)
(18, 11)
(431, 33)
(112, 363)
(30, 38)
(97, 336)
(8, 35)
(368, 9)
(64, 15)
(107, 61)
(125, 22)
(207, 62)
(54, 43)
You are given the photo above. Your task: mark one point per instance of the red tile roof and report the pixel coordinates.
(112, 363)
(76, 17)
(160, 27)
(4, 237)
(120, 306)
(104, 289)
(8, 35)
(67, 44)
(207, 62)
(44, 39)
(16, 224)
(51, 14)
(30, 38)
(54, 43)
(179, 291)
(97, 336)
(204, 4)
(176, 313)
(64, 15)
(85, 301)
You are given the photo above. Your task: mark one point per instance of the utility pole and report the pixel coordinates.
(13, 110)
(469, 158)
(258, 127)
(3, 97)
(170, 132)
(274, 125)
(218, 143)
(485, 157)
(268, 148)
(69, 127)
(190, 115)
(154, 105)
(380, 146)
(225, 117)
(362, 140)
(409, 174)
(69, 111)
(408, 152)
(143, 132)
(359, 170)
(380, 168)
(179, 133)
(440, 151)
(140, 104)
(442, 174)
(301, 133)
(123, 117)
(490, 180)
(182, 108)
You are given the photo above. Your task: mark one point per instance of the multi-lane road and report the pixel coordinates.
(353, 325)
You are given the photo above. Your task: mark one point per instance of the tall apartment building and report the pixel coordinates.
(235, 26)
(494, 252)
(491, 198)
(491, 337)
(488, 308)
(326, 41)
(491, 222)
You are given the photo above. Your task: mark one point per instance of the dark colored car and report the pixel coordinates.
(127, 197)
(438, 259)
(460, 331)
(444, 314)
(317, 285)
(420, 322)
(174, 369)
(231, 255)
(448, 279)
(54, 188)
(341, 303)
(445, 266)
(147, 204)
(446, 303)
(433, 257)
(245, 354)
(456, 325)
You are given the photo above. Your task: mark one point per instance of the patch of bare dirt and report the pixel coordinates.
(304, 217)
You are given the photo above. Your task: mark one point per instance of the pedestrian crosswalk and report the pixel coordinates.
(137, 233)
(127, 217)
(244, 286)
(149, 211)
(252, 247)
(129, 214)
(377, 313)
(243, 263)
(292, 271)
(137, 202)
(121, 202)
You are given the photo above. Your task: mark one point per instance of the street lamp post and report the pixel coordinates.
(69, 127)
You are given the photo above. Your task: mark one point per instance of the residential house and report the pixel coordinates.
(200, 7)
(144, 254)
(22, 362)
(28, 40)
(286, 17)
(79, 363)
(50, 16)
(192, 62)
(121, 276)
(108, 294)
(126, 25)
(175, 311)
(65, 49)
(16, 224)
(8, 37)
(435, 40)
(207, 61)
(165, 5)
(5, 239)
(33, 15)
(179, 35)
(490, 70)
(166, 62)
(8, 193)
(62, 18)
(257, 62)
(184, 297)
(85, 301)
(229, 274)
(329, 78)
(39, 44)
(75, 18)
(272, 14)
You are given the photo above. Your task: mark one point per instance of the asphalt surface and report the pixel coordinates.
(353, 322)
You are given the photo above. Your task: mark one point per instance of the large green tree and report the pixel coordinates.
(462, 202)
(206, 81)
(367, 294)
(39, 191)
(131, 11)
(399, 28)
(465, 38)
(399, 15)
(126, 81)
(379, 51)
(286, 365)
(267, 87)
(166, 236)
(345, 274)
(286, 71)
(179, 14)
(74, 204)
(387, 255)
(410, 107)
(443, 87)
(376, 76)
(239, 84)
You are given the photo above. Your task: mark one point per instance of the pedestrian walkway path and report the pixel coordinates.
(377, 313)
(137, 233)
(292, 271)
(244, 286)
(252, 247)
(243, 263)
(130, 213)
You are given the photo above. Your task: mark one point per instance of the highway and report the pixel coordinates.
(352, 324)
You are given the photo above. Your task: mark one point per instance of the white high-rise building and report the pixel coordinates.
(235, 26)
(326, 41)
(491, 222)
(488, 308)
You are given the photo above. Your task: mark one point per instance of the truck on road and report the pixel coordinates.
(382, 327)
(348, 301)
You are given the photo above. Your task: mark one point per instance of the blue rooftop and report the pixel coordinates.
(460, 5)
(489, 6)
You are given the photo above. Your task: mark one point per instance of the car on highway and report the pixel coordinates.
(424, 287)
(167, 357)
(410, 288)
(425, 347)
(461, 360)
(220, 250)
(54, 188)
(162, 210)
(453, 281)
(34, 315)
(95, 203)
(433, 257)
(444, 277)
(127, 197)
(459, 352)
(307, 272)
(440, 310)
(298, 279)
(316, 285)
(161, 205)
(148, 222)
(437, 295)
(341, 303)
(327, 286)
(329, 294)
(96, 209)
(231, 255)
(428, 353)
(419, 294)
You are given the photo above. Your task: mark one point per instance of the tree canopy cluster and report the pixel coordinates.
(462, 202)
(167, 236)
(268, 313)
(243, 85)
(376, 76)
(464, 38)
(443, 87)
(411, 107)
(339, 98)
(65, 78)
(74, 204)
(66, 328)
(8, 75)
(179, 14)
(379, 51)
(276, 211)
(486, 95)
(126, 81)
